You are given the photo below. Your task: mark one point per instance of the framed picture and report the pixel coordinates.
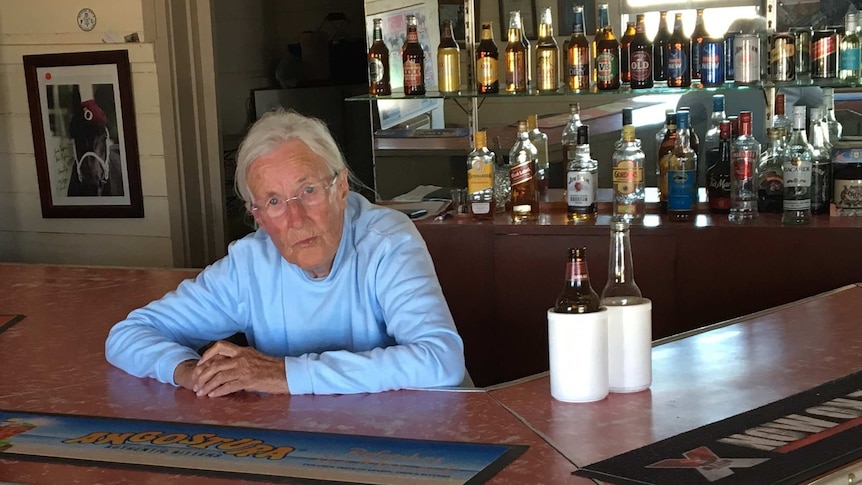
(566, 15)
(454, 10)
(528, 17)
(84, 135)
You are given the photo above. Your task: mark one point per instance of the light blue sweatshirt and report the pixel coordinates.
(377, 322)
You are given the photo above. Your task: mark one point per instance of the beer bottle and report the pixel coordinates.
(516, 56)
(682, 174)
(659, 49)
(581, 180)
(625, 42)
(698, 35)
(665, 152)
(487, 76)
(448, 62)
(540, 141)
(547, 56)
(480, 179)
(608, 61)
(378, 63)
(678, 57)
(578, 54)
(414, 60)
(621, 289)
(522, 176)
(578, 295)
(603, 21)
(641, 57)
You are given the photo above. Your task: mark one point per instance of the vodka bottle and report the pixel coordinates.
(744, 157)
(797, 173)
(848, 56)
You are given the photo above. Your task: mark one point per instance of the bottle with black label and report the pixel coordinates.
(718, 171)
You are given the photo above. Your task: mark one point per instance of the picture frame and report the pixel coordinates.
(528, 17)
(453, 10)
(565, 16)
(84, 135)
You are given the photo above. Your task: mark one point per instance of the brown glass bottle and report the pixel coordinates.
(414, 60)
(698, 35)
(608, 61)
(602, 22)
(678, 57)
(625, 42)
(487, 56)
(578, 54)
(641, 57)
(378, 63)
(665, 152)
(547, 56)
(516, 56)
(578, 295)
(659, 49)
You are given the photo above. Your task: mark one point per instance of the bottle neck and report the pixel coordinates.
(487, 34)
(378, 33)
(604, 20)
(640, 27)
(677, 26)
(577, 275)
(621, 269)
(578, 24)
(818, 140)
(628, 133)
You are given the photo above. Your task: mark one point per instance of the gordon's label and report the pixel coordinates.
(626, 176)
(480, 177)
(580, 188)
(486, 70)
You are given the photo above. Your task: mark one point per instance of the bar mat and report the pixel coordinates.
(785, 442)
(7, 321)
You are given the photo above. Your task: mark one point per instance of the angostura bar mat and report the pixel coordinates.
(250, 453)
(785, 442)
(6, 321)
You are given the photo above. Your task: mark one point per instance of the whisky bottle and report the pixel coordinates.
(578, 54)
(625, 43)
(821, 167)
(516, 56)
(682, 174)
(641, 57)
(378, 63)
(547, 56)
(718, 172)
(770, 173)
(698, 35)
(487, 56)
(578, 295)
(480, 178)
(621, 289)
(540, 141)
(659, 49)
(678, 56)
(448, 62)
(522, 176)
(582, 180)
(797, 173)
(414, 60)
(744, 157)
(627, 174)
(665, 152)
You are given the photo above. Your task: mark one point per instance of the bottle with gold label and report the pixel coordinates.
(487, 55)
(414, 60)
(516, 56)
(547, 56)
(448, 62)
(480, 179)
(627, 174)
(522, 176)
(378, 63)
(578, 54)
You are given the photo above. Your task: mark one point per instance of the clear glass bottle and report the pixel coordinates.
(659, 49)
(718, 173)
(796, 164)
(848, 56)
(709, 149)
(821, 166)
(480, 178)
(413, 58)
(547, 56)
(517, 66)
(836, 130)
(578, 295)
(682, 174)
(378, 63)
(487, 56)
(582, 180)
(569, 138)
(628, 179)
(770, 173)
(744, 157)
(665, 152)
(540, 141)
(578, 54)
(621, 289)
(522, 177)
(780, 121)
(448, 62)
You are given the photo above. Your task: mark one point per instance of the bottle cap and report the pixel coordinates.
(583, 135)
(682, 120)
(627, 116)
(532, 122)
(522, 125)
(717, 102)
(724, 130)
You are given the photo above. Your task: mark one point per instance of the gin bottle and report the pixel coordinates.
(797, 173)
(628, 170)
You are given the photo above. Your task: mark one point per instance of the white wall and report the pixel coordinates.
(24, 235)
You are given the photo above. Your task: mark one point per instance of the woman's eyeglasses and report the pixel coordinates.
(307, 195)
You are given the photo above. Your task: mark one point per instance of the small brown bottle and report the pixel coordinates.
(578, 295)
(378, 63)
(414, 60)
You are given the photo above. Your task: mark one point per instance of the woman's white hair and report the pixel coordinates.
(276, 127)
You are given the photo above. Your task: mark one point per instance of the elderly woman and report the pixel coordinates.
(334, 294)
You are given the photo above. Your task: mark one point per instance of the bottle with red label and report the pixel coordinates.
(744, 156)
(640, 57)
(414, 60)
(522, 176)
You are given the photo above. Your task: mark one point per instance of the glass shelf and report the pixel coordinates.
(659, 89)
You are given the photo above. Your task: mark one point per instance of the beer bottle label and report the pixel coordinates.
(676, 63)
(607, 67)
(641, 65)
(375, 70)
(486, 70)
(412, 73)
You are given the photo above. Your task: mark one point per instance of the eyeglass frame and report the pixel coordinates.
(253, 205)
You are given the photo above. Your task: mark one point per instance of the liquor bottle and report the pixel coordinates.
(578, 295)
(718, 172)
(582, 180)
(414, 60)
(796, 164)
(641, 57)
(480, 178)
(834, 126)
(734, 126)
(659, 49)
(628, 174)
(770, 173)
(682, 174)
(502, 184)
(569, 137)
(665, 152)
(694, 139)
(709, 150)
(744, 156)
(625, 42)
(487, 56)
(516, 56)
(547, 56)
(378, 63)
(522, 176)
(608, 61)
(678, 56)
(848, 57)
(448, 62)
(698, 35)
(621, 289)
(821, 167)
(540, 141)
(780, 121)
(578, 54)
(602, 21)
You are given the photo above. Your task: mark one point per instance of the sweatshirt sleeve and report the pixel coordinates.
(153, 340)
